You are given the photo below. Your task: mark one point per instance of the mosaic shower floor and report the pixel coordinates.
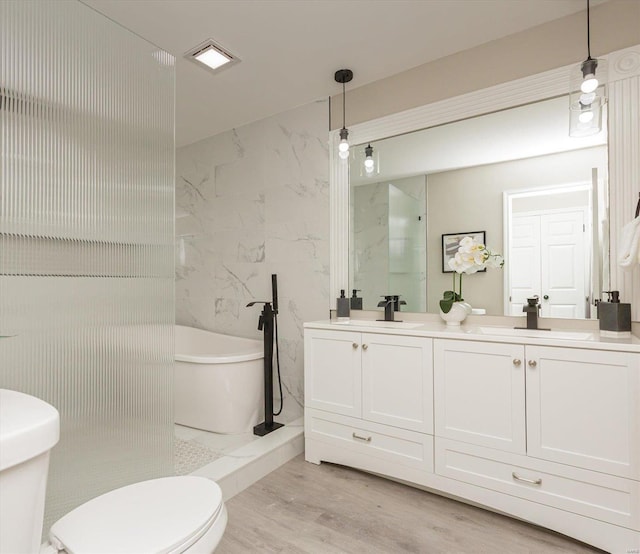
(235, 462)
(194, 449)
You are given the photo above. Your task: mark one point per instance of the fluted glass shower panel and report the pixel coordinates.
(86, 241)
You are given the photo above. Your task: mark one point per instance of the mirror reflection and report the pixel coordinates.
(538, 196)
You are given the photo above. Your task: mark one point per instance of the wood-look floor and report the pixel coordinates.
(305, 508)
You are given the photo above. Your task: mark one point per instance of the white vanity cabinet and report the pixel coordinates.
(557, 426)
(480, 393)
(583, 408)
(529, 427)
(567, 405)
(333, 382)
(369, 397)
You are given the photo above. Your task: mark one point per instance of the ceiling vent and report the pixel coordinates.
(212, 56)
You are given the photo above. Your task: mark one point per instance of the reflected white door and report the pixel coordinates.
(563, 264)
(523, 261)
(547, 258)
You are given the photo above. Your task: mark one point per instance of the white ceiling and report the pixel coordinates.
(290, 49)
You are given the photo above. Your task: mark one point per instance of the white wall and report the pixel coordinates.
(254, 201)
(614, 25)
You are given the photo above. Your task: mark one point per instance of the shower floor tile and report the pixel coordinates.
(194, 448)
(190, 456)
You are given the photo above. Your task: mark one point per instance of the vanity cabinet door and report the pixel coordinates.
(480, 393)
(397, 381)
(583, 408)
(332, 371)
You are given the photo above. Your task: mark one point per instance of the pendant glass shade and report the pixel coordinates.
(368, 161)
(587, 98)
(343, 145)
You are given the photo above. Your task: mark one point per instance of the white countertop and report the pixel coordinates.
(561, 337)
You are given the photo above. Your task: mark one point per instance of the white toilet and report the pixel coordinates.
(170, 515)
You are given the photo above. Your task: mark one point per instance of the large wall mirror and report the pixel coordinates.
(497, 161)
(534, 194)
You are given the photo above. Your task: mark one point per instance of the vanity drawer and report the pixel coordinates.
(588, 493)
(397, 446)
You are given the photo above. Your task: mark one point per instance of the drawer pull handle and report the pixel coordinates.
(533, 363)
(532, 481)
(355, 345)
(517, 362)
(365, 439)
(365, 346)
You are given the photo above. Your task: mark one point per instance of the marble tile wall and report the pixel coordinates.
(370, 242)
(374, 273)
(251, 202)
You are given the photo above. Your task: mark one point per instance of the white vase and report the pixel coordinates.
(457, 314)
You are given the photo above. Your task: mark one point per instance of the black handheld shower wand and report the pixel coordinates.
(267, 324)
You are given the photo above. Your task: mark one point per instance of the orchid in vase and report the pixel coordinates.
(472, 256)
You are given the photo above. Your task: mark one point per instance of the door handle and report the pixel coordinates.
(365, 346)
(517, 362)
(355, 345)
(546, 297)
(358, 437)
(532, 363)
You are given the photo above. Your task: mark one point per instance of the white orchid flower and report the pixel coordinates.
(466, 244)
(473, 269)
(456, 264)
(494, 260)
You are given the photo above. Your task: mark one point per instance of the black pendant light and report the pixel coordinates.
(343, 76)
(587, 97)
(369, 162)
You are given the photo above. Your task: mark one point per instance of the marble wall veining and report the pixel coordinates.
(388, 241)
(251, 202)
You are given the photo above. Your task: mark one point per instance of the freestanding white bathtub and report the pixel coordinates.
(219, 381)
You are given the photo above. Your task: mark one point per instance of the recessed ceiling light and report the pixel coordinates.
(212, 56)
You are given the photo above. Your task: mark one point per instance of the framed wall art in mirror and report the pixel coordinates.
(451, 243)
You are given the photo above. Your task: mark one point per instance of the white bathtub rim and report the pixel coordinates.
(236, 349)
(218, 359)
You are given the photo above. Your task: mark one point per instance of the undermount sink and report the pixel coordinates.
(538, 333)
(381, 324)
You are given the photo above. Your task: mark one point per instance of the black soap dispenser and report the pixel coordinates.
(614, 316)
(342, 307)
(356, 301)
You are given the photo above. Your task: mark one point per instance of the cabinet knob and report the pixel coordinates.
(517, 362)
(532, 363)
(355, 345)
(365, 346)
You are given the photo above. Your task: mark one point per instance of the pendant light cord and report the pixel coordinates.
(344, 117)
(588, 33)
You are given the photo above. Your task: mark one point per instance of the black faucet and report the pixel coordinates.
(531, 309)
(391, 303)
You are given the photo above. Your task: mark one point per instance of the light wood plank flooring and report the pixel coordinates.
(305, 508)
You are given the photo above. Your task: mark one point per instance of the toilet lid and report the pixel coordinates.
(159, 516)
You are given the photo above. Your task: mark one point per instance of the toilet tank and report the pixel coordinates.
(29, 428)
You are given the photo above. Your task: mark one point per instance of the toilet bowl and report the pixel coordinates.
(169, 515)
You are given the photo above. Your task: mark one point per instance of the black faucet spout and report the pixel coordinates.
(388, 304)
(391, 304)
(532, 308)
